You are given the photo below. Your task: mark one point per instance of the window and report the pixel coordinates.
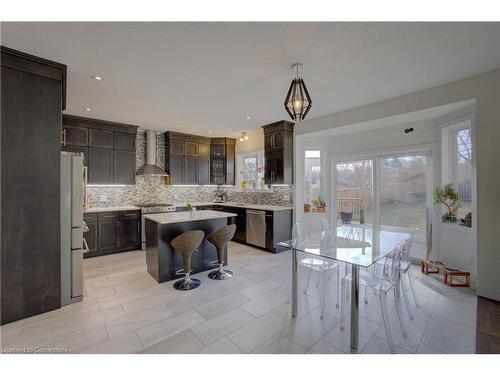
(313, 202)
(250, 170)
(462, 169)
(456, 143)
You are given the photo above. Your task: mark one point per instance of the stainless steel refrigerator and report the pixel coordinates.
(72, 196)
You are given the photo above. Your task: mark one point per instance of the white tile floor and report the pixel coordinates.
(126, 311)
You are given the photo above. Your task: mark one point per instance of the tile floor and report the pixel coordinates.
(126, 311)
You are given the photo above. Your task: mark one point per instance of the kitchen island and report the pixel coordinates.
(162, 259)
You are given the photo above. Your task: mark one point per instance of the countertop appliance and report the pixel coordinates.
(256, 228)
(154, 208)
(72, 197)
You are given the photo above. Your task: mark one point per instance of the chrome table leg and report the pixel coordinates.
(294, 283)
(354, 308)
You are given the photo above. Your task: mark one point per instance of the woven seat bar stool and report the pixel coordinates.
(185, 244)
(219, 239)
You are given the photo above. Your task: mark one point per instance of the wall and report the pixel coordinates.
(152, 189)
(485, 89)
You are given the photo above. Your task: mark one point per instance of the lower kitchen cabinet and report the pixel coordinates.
(112, 232)
(91, 236)
(130, 230)
(108, 231)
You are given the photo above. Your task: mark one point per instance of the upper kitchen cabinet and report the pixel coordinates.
(74, 136)
(32, 98)
(187, 158)
(222, 161)
(108, 147)
(124, 141)
(278, 148)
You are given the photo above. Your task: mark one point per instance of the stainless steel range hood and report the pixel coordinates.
(150, 168)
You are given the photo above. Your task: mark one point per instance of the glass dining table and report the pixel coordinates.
(353, 244)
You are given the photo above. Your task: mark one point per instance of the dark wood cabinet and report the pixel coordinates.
(123, 167)
(189, 170)
(91, 235)
(108, 236)
(100, 166)
(278, 229)
(130, 230)
(176, 169)
(74, 136)
(101, 138)
(112, 232)
(124, 141)
(32, 98)
(187, 159)
(176, 147)
(240, 220)
(203, 171)
(109, 148)
(278, 147)
(203, 150)
(222, 161)
(190, 149)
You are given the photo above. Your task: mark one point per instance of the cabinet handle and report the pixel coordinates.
(63, 137)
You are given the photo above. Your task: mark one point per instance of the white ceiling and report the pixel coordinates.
(196, 77)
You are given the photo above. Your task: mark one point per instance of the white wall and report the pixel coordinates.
(485, 89)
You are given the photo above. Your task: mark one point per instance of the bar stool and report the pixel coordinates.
(219, 239)
(185, 244)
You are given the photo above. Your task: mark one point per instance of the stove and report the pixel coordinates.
(152, 208)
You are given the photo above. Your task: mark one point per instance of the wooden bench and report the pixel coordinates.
(430, 267)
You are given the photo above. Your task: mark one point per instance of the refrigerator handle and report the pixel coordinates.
(85, 183)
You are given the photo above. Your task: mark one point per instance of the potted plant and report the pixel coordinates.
(346, 217)
(449, 198)
(467, 220)
(190, 208)
(319, 204)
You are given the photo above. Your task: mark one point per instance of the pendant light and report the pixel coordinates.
(297, 102)
(243, 137)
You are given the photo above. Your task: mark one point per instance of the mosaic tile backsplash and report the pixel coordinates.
(152, 189)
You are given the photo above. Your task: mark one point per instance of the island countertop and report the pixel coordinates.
(181, 217)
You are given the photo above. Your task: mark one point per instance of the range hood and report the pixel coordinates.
(150, 168)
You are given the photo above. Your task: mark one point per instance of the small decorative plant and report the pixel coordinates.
(467, 220)
(319, 204)
(449, 198)
(190, 208)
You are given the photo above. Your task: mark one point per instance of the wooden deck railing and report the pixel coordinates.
(349, 205)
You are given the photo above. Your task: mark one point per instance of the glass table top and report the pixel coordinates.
(353, 243)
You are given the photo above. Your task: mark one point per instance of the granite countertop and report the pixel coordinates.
(262, 207)
(110, 209)
(181, 217)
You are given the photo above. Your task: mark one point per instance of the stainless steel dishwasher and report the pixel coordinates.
(256, 228)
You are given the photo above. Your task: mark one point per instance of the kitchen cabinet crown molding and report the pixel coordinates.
(27, 63)
(93, 123)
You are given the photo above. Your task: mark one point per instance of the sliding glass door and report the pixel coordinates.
(403, 185)
(389, 191)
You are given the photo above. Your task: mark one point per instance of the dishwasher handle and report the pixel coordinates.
(253, 212)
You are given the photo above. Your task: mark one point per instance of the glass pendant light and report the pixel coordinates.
(298, 102)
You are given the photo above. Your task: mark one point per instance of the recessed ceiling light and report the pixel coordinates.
(248, 118)
(209, 132)
(97, 78)
(88, 109)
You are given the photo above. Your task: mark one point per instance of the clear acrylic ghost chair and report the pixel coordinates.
(315, 265)
(384, 284)
(405, 270)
